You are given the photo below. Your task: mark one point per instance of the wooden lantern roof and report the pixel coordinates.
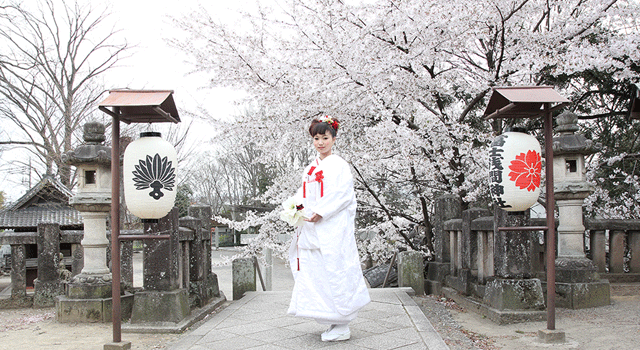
(141, 106)
(522, 101)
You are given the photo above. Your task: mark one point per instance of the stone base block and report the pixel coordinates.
(196, 315)
(46, 292)
(201, 292)
(437, 271)
(123, 345)
(514, 294)
(212, 286)
(16, 302)
(89, 291)
(126, 307)
(500, 317)
(70, 310)
(433, 287)
(479, 290)
(583, 295)
(576, 270)
(462, 282)
(555, 336)
(160, 306)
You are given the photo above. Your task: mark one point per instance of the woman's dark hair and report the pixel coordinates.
(321, 127)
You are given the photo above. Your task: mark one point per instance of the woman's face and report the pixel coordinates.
(323, 144)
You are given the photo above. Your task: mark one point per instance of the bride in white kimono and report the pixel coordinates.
(329, 285)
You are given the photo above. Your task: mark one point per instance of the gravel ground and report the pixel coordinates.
(37, 329)
(439, 312)
(616, 326)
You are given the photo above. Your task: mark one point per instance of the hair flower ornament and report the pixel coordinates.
(327, 119)
(292, 213)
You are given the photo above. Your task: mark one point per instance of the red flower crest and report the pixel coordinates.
(526, 169)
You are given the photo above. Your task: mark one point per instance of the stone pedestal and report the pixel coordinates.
(578, 284)
(411, 271)
(556, 336)
(122, 345)
(77, 310)
(514, 294)
(160, 306)
(88, 295)
(95, 243)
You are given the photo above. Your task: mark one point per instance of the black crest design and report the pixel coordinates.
(156, 173)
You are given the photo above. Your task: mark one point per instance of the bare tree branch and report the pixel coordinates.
(52, 54)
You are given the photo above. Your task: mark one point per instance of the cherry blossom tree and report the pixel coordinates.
(409, 80)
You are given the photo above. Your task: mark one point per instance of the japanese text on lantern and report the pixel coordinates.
(496, 188)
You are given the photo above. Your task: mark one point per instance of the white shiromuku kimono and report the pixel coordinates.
(329, 285)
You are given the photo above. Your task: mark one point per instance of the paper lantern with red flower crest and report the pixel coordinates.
(516, 166)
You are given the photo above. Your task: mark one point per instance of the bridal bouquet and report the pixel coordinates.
(292, 212)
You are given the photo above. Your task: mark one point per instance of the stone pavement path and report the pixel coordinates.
(259, 321)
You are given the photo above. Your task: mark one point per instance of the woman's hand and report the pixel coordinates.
(314, 218)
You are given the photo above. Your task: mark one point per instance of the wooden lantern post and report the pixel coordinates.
(129, 106)
(533, 102)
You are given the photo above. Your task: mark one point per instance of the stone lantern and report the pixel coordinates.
(577, 281)
(93, 201)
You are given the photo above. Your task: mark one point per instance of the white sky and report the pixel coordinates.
(155, 65)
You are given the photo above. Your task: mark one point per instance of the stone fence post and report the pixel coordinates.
(204, 213)
(244, 277)
(447, 207)
(162, 299)
(512, 254)
(411, 271)
(48, 284)
(513, 287)
(18, 271)
(160, 270)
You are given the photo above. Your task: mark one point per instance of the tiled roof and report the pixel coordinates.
(32, 216)
(49, 187)
(48, 201)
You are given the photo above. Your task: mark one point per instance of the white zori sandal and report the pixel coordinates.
(336, 333)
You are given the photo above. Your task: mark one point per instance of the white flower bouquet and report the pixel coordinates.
(293, 212)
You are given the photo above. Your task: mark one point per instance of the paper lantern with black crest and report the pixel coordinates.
(149, 171)
(515, 170)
